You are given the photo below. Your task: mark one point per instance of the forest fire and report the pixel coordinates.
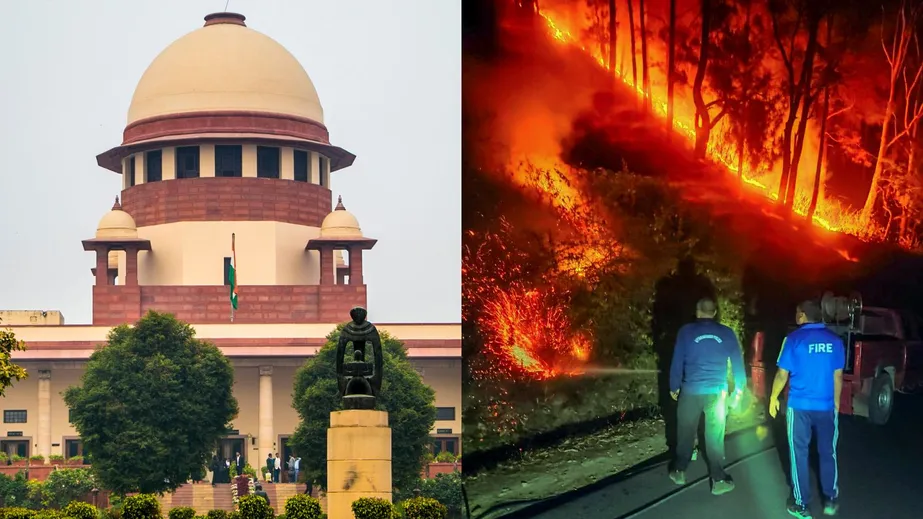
(524, 319)
(829, 214)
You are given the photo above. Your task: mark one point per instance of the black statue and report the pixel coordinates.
(359, 381)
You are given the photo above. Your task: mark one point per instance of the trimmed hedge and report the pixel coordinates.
(372, 508)
(182, 512)
(424, 508)
(16, 513)
(252, 506)
(141, 506)
(81, 510)
(217, 514)
(302, 506)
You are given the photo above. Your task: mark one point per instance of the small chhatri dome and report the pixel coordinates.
(340, 223)
(116, 224)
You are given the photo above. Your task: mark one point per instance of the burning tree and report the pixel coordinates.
(902, 114)
(794, 21)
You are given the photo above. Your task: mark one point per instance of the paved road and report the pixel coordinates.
(881, 477)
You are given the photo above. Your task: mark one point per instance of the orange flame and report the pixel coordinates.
(829, 214)
(525, 330)
(532, 332)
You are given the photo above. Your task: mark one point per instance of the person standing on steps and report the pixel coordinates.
(699, 381)
(239, 464)
(811, 362)
(277, 472)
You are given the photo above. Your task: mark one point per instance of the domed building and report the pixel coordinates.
(224, 138)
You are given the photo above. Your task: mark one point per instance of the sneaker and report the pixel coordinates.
(802, 512)
(722, 486)
(831, 506)
(678, 477)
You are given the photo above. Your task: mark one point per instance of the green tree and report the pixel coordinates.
(153, 404)
(9, 371)
(64, 486)
(408, 401)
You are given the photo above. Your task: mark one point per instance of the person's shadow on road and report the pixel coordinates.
(675, 298)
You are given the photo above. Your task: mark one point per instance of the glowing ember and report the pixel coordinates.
(829, 214)
(525, 331)
(531, 331)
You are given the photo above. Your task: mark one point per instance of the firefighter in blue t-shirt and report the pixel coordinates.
(811, 361)
(699, 380)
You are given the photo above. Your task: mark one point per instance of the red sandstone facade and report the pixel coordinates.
(114, 305)
(227, 199)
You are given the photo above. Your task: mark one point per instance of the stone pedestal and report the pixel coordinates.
(358, 459)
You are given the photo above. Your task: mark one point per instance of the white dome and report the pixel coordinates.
(340, 223)
(225, 66)
(116, 224)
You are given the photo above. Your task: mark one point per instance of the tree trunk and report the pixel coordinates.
(821, 154)
(702, 119)
(645, 71)
(741, 151)
(907, 208)
(874, 188)
(904, 32)
(742, 133)
(634, 60)
(807, 72)
(671, 68)
(612, 37)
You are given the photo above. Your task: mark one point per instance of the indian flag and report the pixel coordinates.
(232, 275)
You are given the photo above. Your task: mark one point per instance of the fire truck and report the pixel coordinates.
(884, 355)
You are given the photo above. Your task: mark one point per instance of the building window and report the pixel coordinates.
(228, 161)
(323, 163)
(267, 162)
(187, 162)
(17, 416)
(227, 271)
(445, 413)
(445, 444)
(73, 448)
(154, 166)
(15, 448)
(131, 171)
(302, 166)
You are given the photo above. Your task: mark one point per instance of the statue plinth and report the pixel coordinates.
(358, 459)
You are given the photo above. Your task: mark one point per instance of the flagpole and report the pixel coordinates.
(234, 264)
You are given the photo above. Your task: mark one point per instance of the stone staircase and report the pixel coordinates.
(279, 493)
(204, 497)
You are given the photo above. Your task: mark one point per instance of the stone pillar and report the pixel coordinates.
(355, 266)
(102, 267)
(44, 413)
(131, 268)
(266, 432)
(358, 459)
(326, 266)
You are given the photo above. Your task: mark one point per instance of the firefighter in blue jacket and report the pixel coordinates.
(699, 380)
(811, 361)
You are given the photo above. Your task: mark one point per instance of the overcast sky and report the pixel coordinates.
(388, 74)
